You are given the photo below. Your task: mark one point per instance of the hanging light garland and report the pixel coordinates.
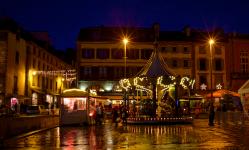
(69, 75)
(125, 83)
(185, 82)
(142, 87)
(166, 86)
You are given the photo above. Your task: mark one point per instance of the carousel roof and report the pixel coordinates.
(156, 66)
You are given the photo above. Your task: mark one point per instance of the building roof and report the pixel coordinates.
(9, 24)
(174, 36)
(74, 93)
(103, 33)
(142, 34)
(40, 38)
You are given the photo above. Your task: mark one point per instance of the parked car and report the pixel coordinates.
(37, 109)
(2, 111)
(33, 109)
(43, 110)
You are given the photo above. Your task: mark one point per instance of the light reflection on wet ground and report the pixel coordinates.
(108, 136)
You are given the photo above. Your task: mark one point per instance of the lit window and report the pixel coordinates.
(244, 61)
(202, 50)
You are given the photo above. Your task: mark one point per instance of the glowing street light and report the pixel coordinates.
(211, 115)
(211, 42)
(125, 41)
(34, 73)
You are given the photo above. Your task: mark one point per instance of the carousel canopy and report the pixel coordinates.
(156, 66)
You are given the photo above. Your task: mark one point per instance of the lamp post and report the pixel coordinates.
(62, 84)
(125, 41)
(211, 109)
(211, 42)
(60, 91)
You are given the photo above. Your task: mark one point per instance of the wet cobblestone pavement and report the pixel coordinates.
(137, 137)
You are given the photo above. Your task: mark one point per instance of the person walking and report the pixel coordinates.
(124, 116)
(211, 115)
(218, 113)
(99, 114)
(197, 110)
(115, 115)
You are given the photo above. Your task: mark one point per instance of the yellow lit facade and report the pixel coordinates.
(20, 57)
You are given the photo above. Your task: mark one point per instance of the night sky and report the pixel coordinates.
(64, 18)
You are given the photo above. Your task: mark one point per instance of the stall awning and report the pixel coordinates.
(193, 97)
(220, 93)
(38, 91)
(244, 88)
(74, 93)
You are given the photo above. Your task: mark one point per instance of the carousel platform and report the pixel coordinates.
(160, 120)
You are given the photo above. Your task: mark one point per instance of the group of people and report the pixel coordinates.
(218, 112)
(118, 114)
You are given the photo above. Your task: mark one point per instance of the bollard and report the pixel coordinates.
(1, 142)
(243, 119)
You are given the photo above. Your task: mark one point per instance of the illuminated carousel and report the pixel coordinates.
(155, 93)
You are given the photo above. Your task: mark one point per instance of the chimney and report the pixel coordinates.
(234, 33)
(187, 30)
(156, 27)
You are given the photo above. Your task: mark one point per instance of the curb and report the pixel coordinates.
(28, 134)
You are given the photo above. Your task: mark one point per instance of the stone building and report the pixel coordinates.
(29, 71)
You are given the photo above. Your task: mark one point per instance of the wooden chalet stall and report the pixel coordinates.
(74, 107)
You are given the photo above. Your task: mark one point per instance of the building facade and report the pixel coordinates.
(238, 60)
(30, 73)
(101, 59)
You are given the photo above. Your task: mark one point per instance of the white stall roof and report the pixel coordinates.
(74, 93)
(244, 88)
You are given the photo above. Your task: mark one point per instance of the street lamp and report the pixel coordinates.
(62, 84)
(211, 113)
(125, 41)
(211, 42)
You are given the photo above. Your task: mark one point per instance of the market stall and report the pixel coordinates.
(74, 106)
(228, 98)
(244, 95)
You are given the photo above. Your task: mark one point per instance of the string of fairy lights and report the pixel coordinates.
(68, 75)
(139, 83)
